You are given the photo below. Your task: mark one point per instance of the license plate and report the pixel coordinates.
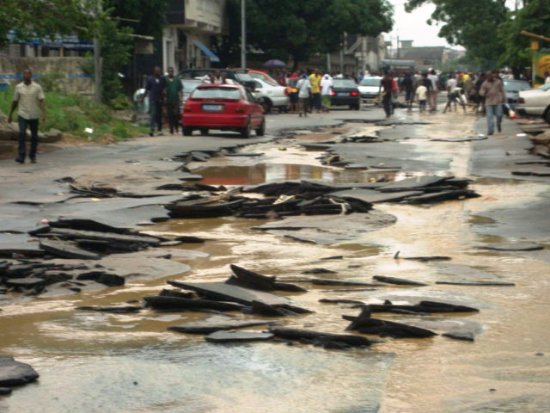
(212, 108)
(343, 93)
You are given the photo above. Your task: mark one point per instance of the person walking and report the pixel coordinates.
(154, 88)
(29, 100)
(326, 89)
(453, 95)
(434, 79)
(174, 91)
(493, 91)
(386, 90)
(304, 88)
(292, 89)
(422, 96)
(407, 85)
(315, 81)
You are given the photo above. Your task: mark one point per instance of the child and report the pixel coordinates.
(422, 96)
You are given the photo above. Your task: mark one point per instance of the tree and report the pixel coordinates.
(534, 17)
(144, 17)
(470, 23)
(42, 18)
(298, 29)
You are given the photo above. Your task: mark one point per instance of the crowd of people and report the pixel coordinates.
(310, 91)
(484, 92)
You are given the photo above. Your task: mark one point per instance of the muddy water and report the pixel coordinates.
(129, 363)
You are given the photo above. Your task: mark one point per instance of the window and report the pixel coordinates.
(216, 93)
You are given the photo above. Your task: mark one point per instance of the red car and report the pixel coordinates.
(223, 107)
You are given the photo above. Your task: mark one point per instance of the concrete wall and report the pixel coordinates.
(74, 79)
(207, 13)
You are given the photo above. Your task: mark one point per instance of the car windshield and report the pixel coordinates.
(344, 83)
(216, 93)
(545, 87)
(244, 77)
(190, 85)
(516, 85)
(370, 81)
(258, 76)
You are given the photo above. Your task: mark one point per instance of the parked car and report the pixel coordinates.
(369, 87)
(258, 74)
(222, 107)
(512, 88)
(535, 102)
(234, 75)
(345, 92)
(271, 96)
(188, 86)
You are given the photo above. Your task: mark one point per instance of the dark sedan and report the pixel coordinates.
(345, 92)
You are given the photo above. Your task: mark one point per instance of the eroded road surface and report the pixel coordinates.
(422, 212)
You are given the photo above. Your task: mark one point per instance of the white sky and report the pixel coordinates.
(413, 26)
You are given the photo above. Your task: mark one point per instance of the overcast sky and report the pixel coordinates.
(413, 26)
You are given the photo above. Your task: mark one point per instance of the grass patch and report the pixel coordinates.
(74, 113)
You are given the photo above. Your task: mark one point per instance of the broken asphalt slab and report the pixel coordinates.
(226, 292)
(14, 373)
(329, 230)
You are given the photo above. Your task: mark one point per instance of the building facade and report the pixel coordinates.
(187, 38)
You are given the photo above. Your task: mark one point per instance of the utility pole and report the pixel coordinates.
(243, 34)
(97, 58)
(97, 70)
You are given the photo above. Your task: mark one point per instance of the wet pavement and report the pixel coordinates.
(106, 362)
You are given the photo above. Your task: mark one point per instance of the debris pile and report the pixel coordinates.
(70, 254)
(249, 292)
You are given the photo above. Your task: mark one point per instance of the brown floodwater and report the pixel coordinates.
(92, 362)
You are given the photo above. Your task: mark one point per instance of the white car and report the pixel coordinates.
(535, 102)
(270, 95)
(369, 87)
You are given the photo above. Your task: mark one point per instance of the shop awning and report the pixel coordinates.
(207, 52)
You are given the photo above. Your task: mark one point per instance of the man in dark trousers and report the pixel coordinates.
(29, 96)
(154, 88)
(386, 90)
(174, 91)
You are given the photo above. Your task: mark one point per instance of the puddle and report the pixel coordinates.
(130, 363)
(262, 173)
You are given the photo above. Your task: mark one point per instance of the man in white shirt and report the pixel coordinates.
(29, 97)
(422, 97)
(304, 87)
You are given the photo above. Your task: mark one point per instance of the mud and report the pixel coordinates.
(129, 362)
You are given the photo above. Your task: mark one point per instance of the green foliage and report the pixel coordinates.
(299, 29)
(488, 30)
(121, 102)
(73, 113)
(534, 17)
(107, 20)
(145, 17)
(52, 82)
(42, 18)
(116, 47)
(470, 23)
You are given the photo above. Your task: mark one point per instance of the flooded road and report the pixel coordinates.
(94, 362)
